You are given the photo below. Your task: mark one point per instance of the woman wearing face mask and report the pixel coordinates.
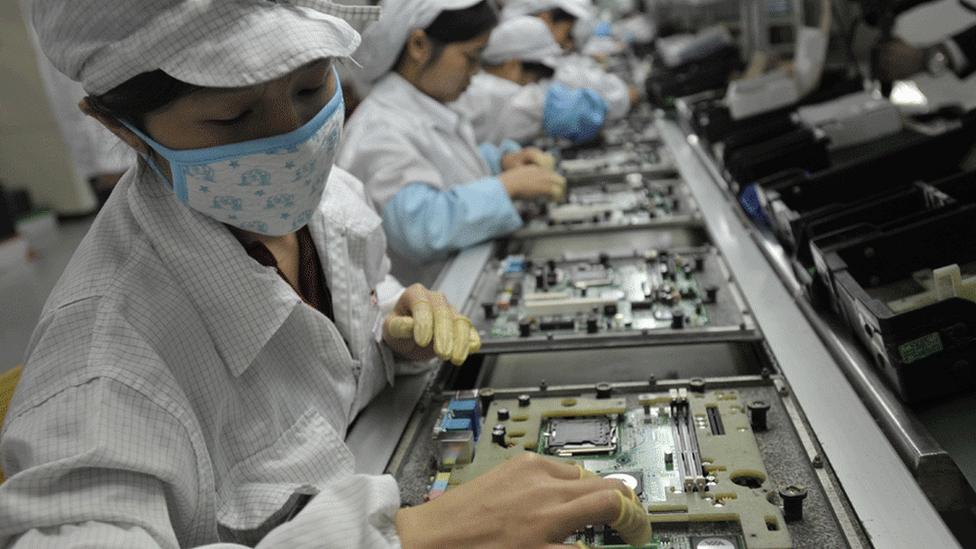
(195, 371)
(515, 98)
(418, 158)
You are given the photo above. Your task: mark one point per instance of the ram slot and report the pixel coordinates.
(686, 444)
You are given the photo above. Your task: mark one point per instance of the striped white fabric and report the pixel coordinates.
(178, 394)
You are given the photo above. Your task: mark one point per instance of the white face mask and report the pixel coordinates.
(270, 186)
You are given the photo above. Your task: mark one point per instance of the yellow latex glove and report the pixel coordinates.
(528, 156)
(632, 523)
(531, 182)
(424, 325)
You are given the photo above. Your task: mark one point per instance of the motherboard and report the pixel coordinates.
(690, 456)
(528, 304)
(634, 200)
(641, 157)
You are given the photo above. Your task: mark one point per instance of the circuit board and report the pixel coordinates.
(633, 157)
(691, 457)
(631, 201)
(599, 300)
(636, 128)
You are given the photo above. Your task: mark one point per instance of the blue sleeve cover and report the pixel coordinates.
(423, 222)
(574, 114)
(603, 28)
(493, 154)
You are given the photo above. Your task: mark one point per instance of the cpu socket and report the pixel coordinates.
(579, 436)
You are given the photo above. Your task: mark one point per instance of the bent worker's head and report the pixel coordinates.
(433, 44)
(441, 59)
(560, 16)
(192, 75)
(216, 97)
(521, 50)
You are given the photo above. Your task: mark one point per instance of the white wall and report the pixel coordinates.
(32, 150)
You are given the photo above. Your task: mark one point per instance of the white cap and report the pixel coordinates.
(524, 38)
(580, 9)
(384, 40)
(213, 43)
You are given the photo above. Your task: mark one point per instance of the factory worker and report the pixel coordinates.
(420, 162)
(576, 70)
(514, 97)
(196, 369)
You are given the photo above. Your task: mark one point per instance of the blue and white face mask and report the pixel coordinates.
(270, 186)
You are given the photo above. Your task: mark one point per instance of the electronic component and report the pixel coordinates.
(591, 299)
(924, 344)
(590, 165)
(716, 542)
(457, 430)
(853, 119)
(758, 410)
(632, 200)
(793, 497)
(653, 443)
(568, 437)
(631, 479)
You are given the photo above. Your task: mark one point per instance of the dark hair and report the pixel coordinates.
(559, 14)
(538, 70)
(463, 25)
(140, 95)
(452, 26)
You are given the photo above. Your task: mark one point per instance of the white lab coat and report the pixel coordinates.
(500, 109)
(580, 71)
(399, 136)
(177, 393)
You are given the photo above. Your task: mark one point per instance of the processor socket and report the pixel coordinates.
(579, 436)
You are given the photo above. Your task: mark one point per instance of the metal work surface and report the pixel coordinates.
(893, 509)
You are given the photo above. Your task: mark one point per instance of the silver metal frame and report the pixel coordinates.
(890, 503)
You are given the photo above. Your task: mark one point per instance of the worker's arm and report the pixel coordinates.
(423, 222)
(114, 458)
(494, 154)
(103, 465)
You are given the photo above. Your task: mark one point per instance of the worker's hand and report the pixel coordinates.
(529, 501)
(898, 60)
(634, 95)
(527, 182)
(424, 325)
(528, 156)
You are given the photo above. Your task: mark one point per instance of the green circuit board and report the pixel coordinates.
(635, 200)
(654, 292)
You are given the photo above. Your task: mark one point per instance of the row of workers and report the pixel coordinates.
(443, 161)
(230, 313)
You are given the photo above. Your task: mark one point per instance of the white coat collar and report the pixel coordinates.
(399, 94)
(210, 264)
